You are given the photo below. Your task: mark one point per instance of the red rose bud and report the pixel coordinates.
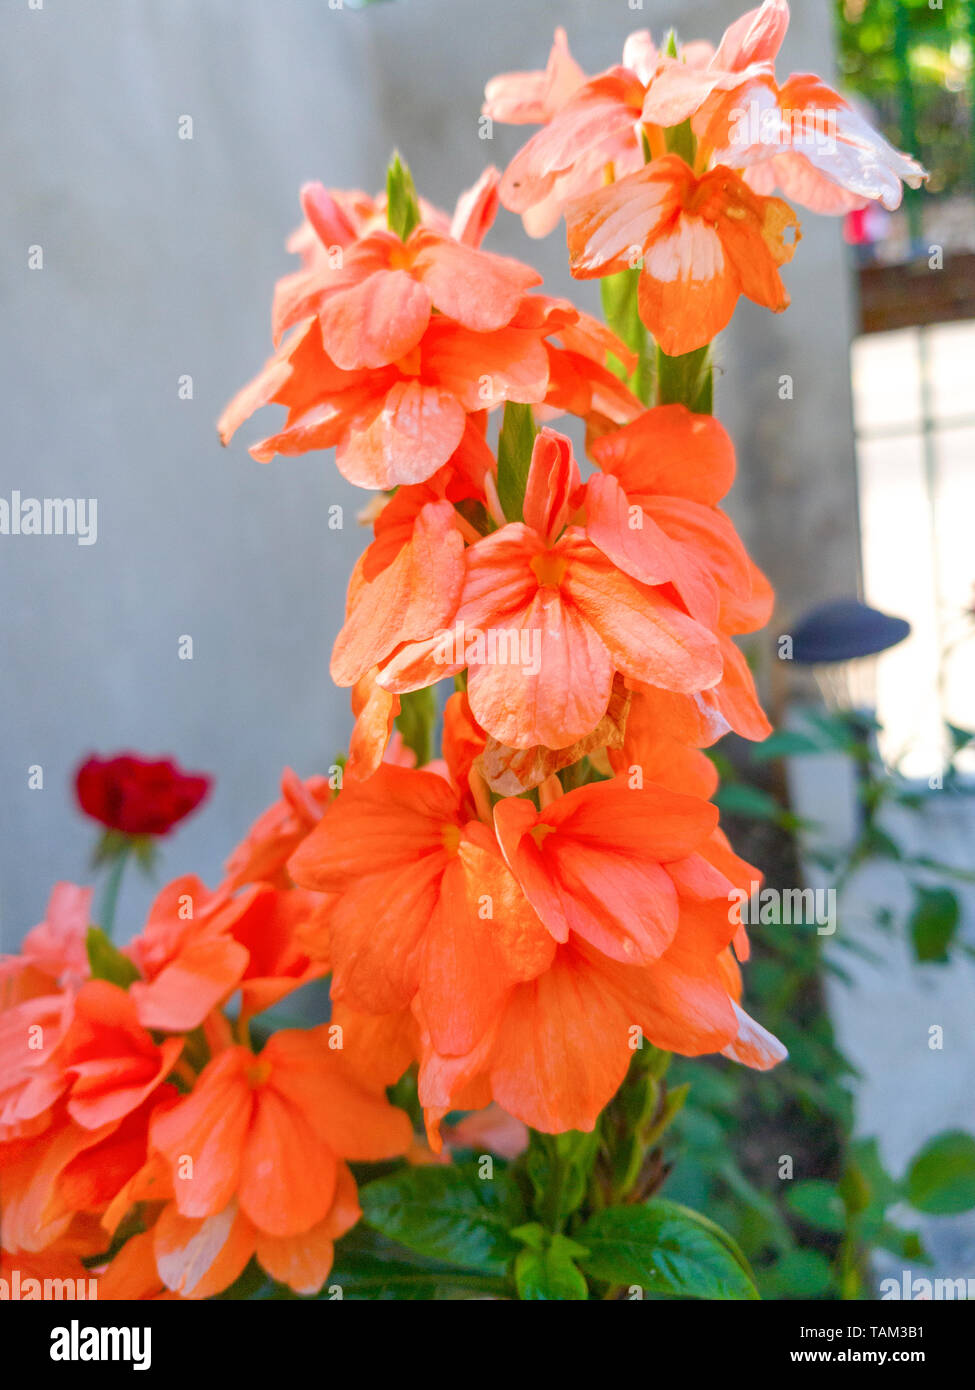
(137, 797)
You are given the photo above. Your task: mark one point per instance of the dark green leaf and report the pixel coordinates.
(665, 1248)
(368, 1266)
(447, 1214)
(933, 922)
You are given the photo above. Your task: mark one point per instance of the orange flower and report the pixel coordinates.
(199, 947)
(376, 308)
(30, 1078)
(269, 1130)
(52, 955)
(704, 241)
(336, 218)
(747, 49)
(654, 532)
(532, 98)
(375, 710)
(568, 620)
(805, 139)
(426, 904)
(405, 586)
(187, 955)
(397, 423)
(591, 124)
(594, 862)
(255, 1158)
(562, 1043)
(682, 533)
(109, 1062)
(277, 832)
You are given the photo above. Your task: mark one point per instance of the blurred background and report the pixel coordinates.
(153, 154)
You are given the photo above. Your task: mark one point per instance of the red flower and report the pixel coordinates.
(137, 797)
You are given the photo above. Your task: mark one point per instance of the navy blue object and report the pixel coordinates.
(843, 630)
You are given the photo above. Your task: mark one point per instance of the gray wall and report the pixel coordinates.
(159, 259)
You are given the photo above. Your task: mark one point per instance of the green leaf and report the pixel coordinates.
(819, 1204)
(546, 1270)
(785, 743)
(515, 443)
(558, 1166)
(799, 1274)
(447, 1214)
(738, 799)
(402, 204)
(907, 1244)
(686, 380)
(665, 1248)
(941, 1178)
(415, 721)
(107, 961)
(368, 1266)
(934, 922)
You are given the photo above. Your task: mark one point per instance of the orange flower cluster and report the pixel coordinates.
(668, 161)
(398, 349)
(521, 915)
(140, 1132)
(554, 893)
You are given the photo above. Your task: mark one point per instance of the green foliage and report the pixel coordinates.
(941, 1179)
(106, 961)
(913, 63)
(546, 1268)
(558, 1167)
(371, 1267)
(515, 442)
(934, 922)
(799, 1273)
(448, 1214)
(665, 1249)
(819, 1204)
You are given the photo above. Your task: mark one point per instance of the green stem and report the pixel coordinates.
(556, 1186)
(110, 897)
(686, 380)
(416, 720)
